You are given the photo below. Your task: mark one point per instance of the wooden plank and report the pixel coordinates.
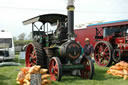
(35, 79)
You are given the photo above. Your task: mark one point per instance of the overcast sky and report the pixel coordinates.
(13, 12)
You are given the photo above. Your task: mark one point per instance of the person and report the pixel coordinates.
(88, 49)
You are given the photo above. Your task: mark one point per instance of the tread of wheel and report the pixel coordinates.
(39, 53)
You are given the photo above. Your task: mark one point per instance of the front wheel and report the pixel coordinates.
(55, 69)
(116, 55)
(88, 71)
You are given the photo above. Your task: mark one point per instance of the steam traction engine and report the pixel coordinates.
(56, 49)
(110, 41)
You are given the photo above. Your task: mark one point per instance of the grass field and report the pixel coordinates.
(8, 77)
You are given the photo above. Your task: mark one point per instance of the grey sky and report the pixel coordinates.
(13, 12)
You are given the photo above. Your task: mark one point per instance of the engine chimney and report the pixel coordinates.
(70, 8)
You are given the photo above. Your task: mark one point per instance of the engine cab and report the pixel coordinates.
(52, 35)
(52, 30)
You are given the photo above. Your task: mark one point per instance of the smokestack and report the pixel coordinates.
(70, 9)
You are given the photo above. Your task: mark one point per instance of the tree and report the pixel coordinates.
(30, 36)
(22, 36)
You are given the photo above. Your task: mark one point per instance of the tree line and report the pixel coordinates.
(22, 40)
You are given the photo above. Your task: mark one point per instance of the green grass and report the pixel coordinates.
(100, 78)
(8, 76)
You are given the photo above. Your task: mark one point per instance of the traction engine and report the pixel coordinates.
(111, 42)
(54, 45)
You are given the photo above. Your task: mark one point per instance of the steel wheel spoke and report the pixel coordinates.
(101, 59)
(53, 63)
(86, 75)
(102, 54)
(87, 72)
(34, 61)
(55, 69)
(106, 49)
(88, 67)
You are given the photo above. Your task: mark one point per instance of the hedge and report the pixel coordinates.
(21, 42)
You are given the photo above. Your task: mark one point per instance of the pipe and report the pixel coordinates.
(70, 9)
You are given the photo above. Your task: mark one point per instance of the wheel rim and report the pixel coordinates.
(116, 56)
(31, 57)
(55, 69)
(87, 72)
(102, 54)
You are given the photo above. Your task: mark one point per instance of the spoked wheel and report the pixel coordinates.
(116, 55)
(103, 53)
(55, 69)
(88, 71)
(34, 55)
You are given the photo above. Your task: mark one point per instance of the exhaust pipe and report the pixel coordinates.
(70, 9)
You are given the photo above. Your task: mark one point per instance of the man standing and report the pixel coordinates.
(87, 51)
(88, 48)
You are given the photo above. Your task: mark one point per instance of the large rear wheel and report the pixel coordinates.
(34, 55)
(88, 71)
(103, 53)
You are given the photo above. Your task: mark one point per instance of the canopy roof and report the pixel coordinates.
(46, 18)
(110, 23)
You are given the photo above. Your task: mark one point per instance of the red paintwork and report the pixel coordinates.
(120, 40)
(90, 32)
(85, 33)
(53, 69)
(30, 53)
(117, 42)
(85, 73)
